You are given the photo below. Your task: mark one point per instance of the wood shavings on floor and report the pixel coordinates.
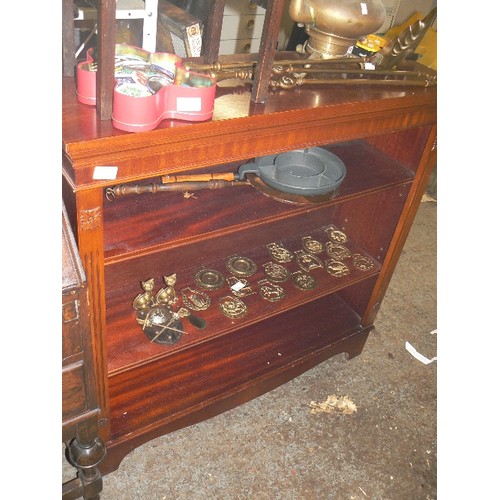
(333, 404)
(427, 197)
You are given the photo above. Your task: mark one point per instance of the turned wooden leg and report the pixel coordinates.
(85, 452)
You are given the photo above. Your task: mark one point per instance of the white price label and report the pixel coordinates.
(238, 286)
(105, 173)
(189, 104)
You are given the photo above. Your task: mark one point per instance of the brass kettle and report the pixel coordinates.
(334, 26)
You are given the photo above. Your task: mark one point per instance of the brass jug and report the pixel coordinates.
(334, 26)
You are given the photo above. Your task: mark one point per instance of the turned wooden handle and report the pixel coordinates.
(126, 189)
(167, 179)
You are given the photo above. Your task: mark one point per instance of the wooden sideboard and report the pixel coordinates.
(385, 136)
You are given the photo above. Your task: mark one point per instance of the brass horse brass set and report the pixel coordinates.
(162, 324)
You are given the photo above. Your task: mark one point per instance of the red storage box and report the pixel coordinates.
(150, 87)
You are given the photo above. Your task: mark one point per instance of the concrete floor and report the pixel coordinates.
(274, 447)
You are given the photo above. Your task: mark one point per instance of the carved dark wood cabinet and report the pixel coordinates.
(386, 138)
(80, 411)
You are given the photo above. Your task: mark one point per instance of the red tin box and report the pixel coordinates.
(150, 87)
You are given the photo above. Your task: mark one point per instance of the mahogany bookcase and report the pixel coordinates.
(387, 139)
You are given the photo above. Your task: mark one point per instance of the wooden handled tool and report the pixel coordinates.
(173, 186)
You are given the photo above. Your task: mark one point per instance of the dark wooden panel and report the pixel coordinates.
(372, 219)
(73, 391)
(405, 146)
(72, 342)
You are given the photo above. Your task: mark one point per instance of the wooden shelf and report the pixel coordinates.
(291, 119)
(215, 370)
(128, 346)
(173, 220)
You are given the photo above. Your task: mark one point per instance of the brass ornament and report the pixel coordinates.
(158, 321)
(232, 307)
(167, 295)
(303, 281)
(276, 272)
(239, 286)
(336, 268)
(145, 299)
(335, 234)
(337, 251)
(332, 27)
(307, 261)
(195, 300)
(279, 253)
(271, 291)
(241, 266)
(209, 279)
(311, 245)
(361, 262)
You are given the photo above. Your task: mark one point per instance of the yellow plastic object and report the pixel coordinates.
(371, 43)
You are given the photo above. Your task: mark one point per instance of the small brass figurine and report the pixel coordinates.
(167, 295)
(146, 299)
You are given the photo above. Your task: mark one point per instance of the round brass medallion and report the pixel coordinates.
(209, 279)
(361, 262)
(241, 266)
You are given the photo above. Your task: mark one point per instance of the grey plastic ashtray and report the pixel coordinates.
(310, 171)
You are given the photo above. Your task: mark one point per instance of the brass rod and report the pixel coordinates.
(341, 81)
(218, 66)
(313, 71)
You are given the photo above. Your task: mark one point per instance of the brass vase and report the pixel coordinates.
(334, 26)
